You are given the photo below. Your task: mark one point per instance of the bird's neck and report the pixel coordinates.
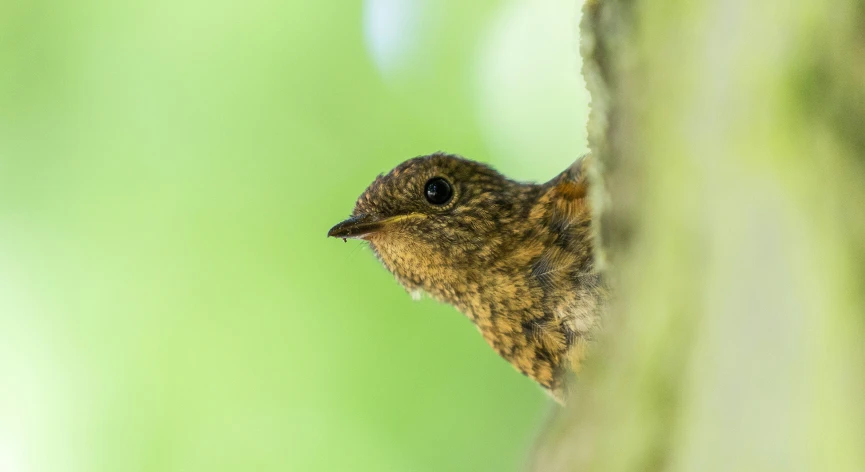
(533, 292)
(537, 302)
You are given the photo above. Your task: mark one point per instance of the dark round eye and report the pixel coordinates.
(438, 191)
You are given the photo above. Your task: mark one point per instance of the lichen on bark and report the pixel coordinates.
(729, 193)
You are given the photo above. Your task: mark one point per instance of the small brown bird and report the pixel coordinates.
(516, 258)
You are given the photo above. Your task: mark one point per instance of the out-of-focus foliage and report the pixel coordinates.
(168, 170)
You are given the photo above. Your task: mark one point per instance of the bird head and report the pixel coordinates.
(433, 218)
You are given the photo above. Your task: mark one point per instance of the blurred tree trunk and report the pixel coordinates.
(730, 191)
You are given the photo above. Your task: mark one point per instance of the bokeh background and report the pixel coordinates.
(168, 171)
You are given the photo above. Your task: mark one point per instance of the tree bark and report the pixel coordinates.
(729, 191)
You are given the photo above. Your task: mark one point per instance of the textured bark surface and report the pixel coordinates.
(730, 195)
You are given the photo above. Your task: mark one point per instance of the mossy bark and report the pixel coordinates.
(730, 197)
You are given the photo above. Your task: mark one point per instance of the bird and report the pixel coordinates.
(516, 258)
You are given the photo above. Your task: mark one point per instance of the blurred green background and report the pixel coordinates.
(168, 171)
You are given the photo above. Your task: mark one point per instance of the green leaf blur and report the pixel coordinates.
(168, 171)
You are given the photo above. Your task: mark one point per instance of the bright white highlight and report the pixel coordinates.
(10, 457)
(390, 30)
(532, 100)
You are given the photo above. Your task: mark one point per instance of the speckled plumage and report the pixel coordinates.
(516, 258)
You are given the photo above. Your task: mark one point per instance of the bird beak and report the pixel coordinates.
(357, 227)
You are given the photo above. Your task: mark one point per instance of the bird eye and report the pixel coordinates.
(438, 191)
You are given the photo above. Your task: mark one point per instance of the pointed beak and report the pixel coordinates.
(357, 227)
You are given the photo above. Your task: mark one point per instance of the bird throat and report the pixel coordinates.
(535, 302)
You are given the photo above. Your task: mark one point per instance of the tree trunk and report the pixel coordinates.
(730, 195)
